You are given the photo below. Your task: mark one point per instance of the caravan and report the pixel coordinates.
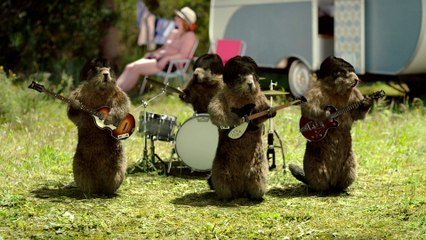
(375, 36)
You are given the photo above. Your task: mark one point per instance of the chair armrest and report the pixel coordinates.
(182, 60)
(181, 64)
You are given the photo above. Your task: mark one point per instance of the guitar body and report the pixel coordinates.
(125, 128)
(122, 131)
(315, 131)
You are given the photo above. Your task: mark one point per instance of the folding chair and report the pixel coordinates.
(177, 68)
(228, 48)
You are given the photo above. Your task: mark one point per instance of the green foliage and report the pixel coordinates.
(17, 100)
(52, 36)
(58, 36)
(14, 99)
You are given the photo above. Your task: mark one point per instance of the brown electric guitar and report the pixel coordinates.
(122, 131)
(315, 131)
(239, 130)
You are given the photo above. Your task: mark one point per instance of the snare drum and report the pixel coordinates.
(159, 126)
(196, 142)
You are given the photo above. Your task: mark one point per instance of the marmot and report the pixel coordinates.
(240, 167)
(99, 164)
(205, 83)
(329, 165)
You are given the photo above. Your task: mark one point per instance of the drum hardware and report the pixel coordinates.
(147, 163)
(165, 86)
(270, 153)
(272, 93)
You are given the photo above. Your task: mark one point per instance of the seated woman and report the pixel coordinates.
(179, 44)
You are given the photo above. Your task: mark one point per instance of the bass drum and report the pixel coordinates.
(196, 142)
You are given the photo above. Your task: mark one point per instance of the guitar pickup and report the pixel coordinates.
(123, 136)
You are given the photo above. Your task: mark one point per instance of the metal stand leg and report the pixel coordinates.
(169, 167)
(270, 153)
(144, 164)
(152, 152)
(142, 89)
(282, 150)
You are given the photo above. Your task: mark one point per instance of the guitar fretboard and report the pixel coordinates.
(345, 109)
(351, 107)
(263, 113)
(69, 101)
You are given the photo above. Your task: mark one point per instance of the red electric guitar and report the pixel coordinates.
(122, 131)
(315, 131)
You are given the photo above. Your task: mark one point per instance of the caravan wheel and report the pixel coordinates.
(299, 78)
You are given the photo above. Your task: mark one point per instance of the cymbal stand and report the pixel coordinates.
(144, 165)
(270, 153)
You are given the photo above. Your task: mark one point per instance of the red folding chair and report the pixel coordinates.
(228, 48)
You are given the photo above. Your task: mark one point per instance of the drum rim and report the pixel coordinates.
(153, 113)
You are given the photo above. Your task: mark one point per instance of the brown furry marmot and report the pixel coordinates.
(329, 165)
(99, 162)
(205, 83)
(240, 167)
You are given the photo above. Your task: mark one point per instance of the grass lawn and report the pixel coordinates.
(37, 201)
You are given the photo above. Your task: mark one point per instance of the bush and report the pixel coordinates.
(51, 35)
(58, 36)
(17, 102)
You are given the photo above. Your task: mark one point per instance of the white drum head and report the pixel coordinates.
(196, 142)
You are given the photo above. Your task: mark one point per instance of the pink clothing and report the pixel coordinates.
(178, 45)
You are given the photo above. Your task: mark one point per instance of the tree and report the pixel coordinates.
(51, 35)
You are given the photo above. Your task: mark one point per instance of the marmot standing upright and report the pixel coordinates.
(330, 164)
(99, 164)
(205, 83)
(240, 167)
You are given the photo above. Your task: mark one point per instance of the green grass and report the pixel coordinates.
(37, 200)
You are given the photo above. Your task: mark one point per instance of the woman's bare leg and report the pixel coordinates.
(134, 70)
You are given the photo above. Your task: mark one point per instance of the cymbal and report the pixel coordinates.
(271, 93)
(168, 89)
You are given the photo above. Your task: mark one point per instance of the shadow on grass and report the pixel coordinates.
(302, 190)
(186, 173)
(177, 170)
(210, 199)
(69, 191)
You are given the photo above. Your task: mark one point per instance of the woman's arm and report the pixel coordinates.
(187, 42)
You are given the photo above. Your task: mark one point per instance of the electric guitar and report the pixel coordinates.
(315, 131)
(122, 131)
(239, 130)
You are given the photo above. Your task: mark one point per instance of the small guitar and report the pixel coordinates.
(124, 129)
(315, 131)
(239, 130)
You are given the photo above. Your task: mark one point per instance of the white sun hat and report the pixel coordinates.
(187, 14)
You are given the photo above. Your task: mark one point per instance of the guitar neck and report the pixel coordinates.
(351, 107)
(345, 109)
(69, 101)
(263, 113)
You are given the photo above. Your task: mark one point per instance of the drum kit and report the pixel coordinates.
(194, 141)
